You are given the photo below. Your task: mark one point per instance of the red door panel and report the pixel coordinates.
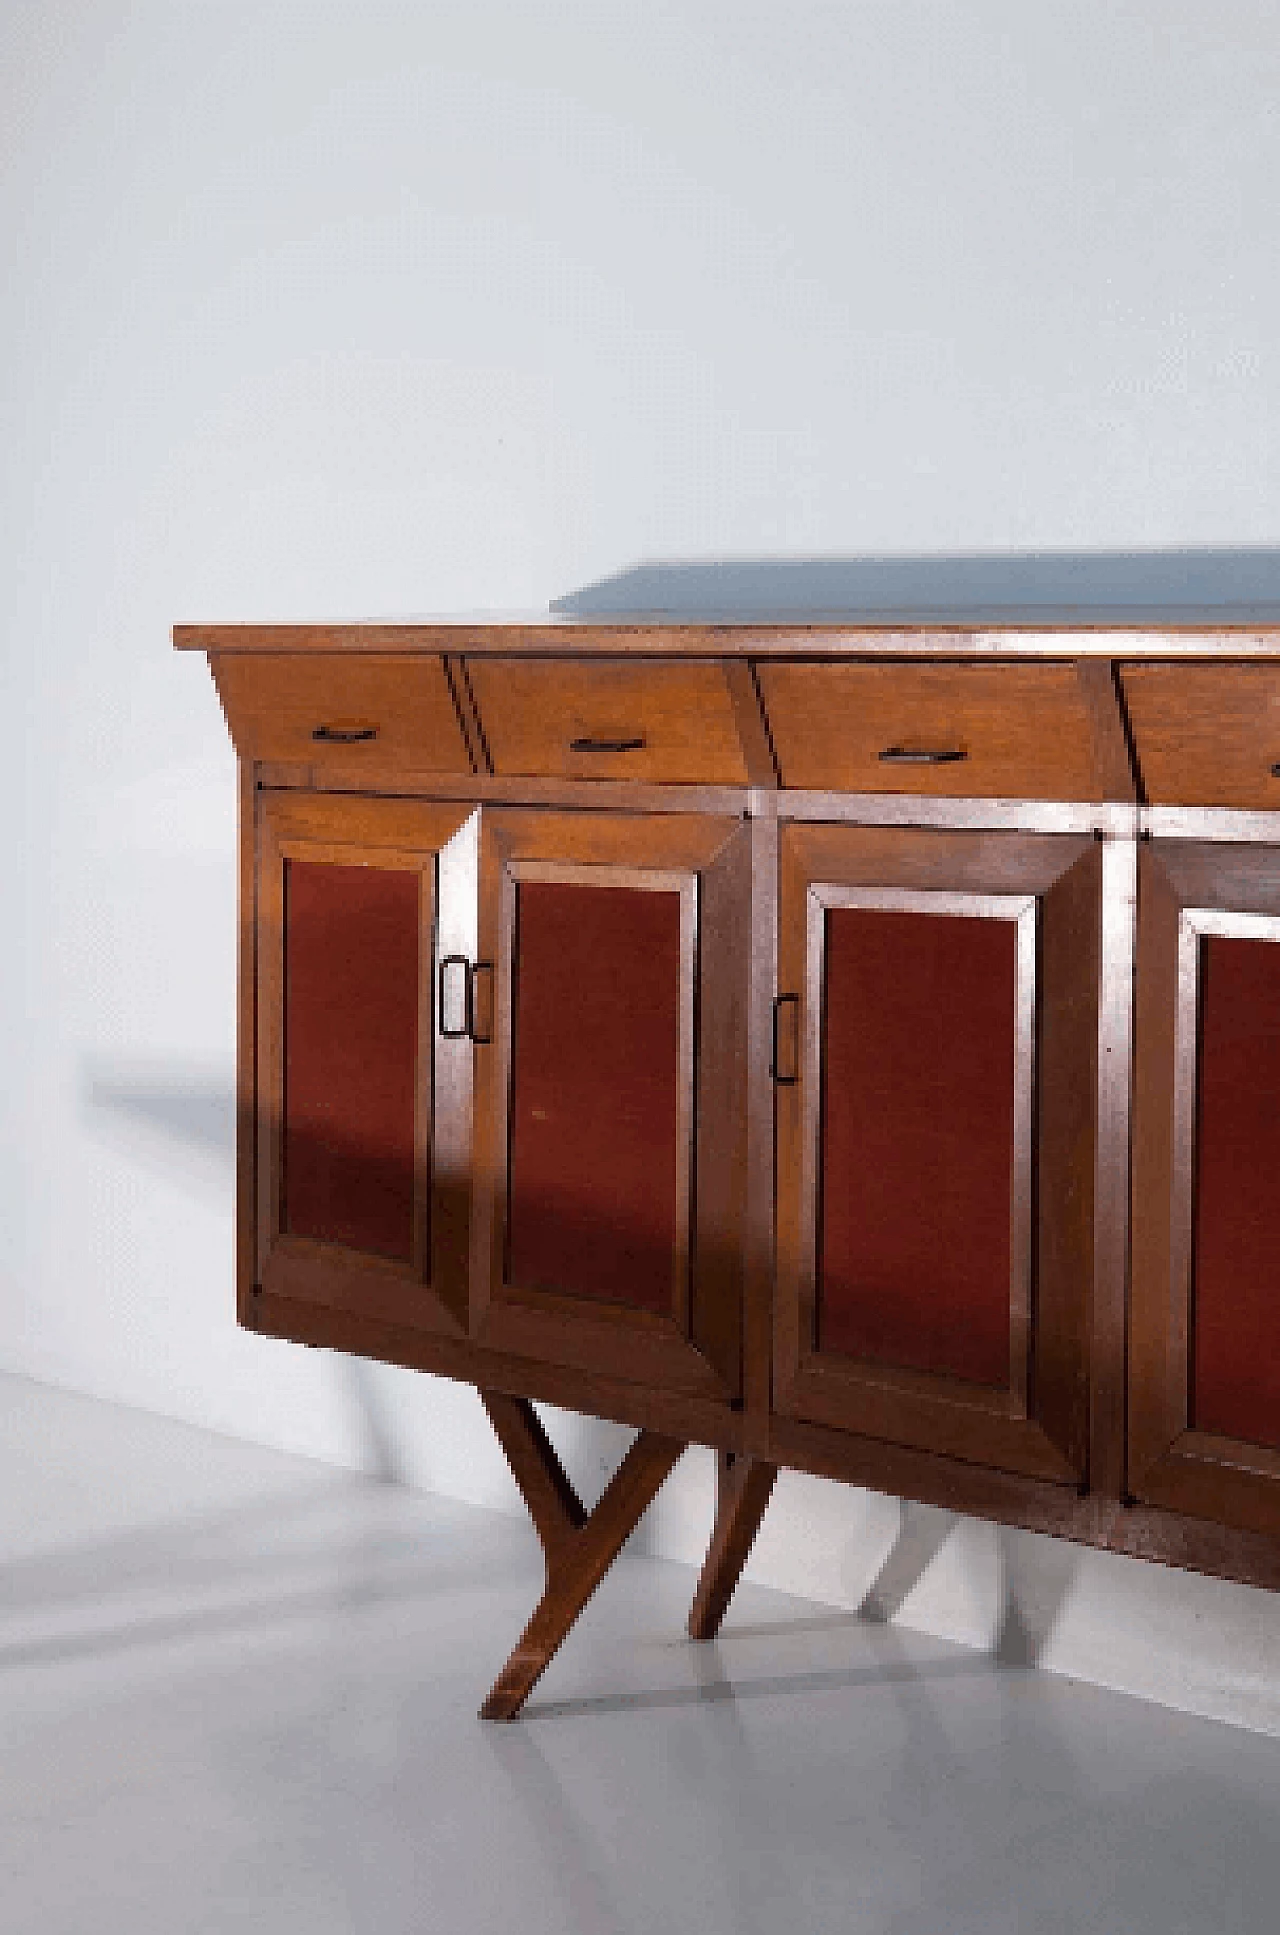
(351, 1055)
(594, 1119)
(918, 1141)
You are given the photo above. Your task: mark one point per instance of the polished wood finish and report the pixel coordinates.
(694, 1344)
(621, 719)
(1188, 894)
(764, 821)
(1036, 1422)
(1189, 637)
(579, 1548)
(433, 843)
(554, 1506)
(623, 1399)
(361, 716)
(984, 731)
(744, 1487)
(1113, 1130)
(1206, 735)
(1096, 681)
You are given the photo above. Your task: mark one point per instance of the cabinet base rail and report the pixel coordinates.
(579, 1547)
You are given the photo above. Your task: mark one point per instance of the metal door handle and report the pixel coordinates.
(447, 962)
(784, 1081)
(469, 977)
(482, 967)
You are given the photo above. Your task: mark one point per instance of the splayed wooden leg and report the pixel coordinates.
(743, 1489)
(579, 1546)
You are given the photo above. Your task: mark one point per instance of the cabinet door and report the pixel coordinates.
(936, 1059)
(1204, 1358)
(366, 914)
(611, 1095)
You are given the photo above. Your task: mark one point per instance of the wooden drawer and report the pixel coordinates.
(1206, 735)
(382, 713)
(620, 719)
(1006, 731)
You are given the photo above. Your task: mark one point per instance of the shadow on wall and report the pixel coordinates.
(1196, 584)
(198, 1113)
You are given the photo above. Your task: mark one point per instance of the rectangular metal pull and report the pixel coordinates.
(589, 745)
(460, 1031)
(482, 1040)
(775, 1069)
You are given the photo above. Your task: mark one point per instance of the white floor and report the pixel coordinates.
(239, 1691)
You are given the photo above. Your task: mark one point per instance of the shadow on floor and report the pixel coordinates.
(770, 1686)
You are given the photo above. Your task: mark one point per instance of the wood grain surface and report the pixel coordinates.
(752, 773)
(615, 719)
(1206, 735)
(1000, 732)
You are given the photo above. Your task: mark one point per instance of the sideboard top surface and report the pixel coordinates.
(1222, 634)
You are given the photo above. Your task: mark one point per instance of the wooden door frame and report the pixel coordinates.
(1039, 1427)
(1188, 890)
(438, 842)
(1021, 912)
(697, 1349)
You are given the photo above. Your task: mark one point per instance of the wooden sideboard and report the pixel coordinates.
(851, 1048)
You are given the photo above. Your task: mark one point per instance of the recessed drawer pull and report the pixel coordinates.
(344, 735)
(589, 745)
(922, 756)
(1275, 769)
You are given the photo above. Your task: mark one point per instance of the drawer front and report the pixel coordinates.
(1008, 731)
(610, 719)
(383, 713)
(1206, 735)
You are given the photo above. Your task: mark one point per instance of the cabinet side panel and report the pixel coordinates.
(351, 1053)
(918, 1141)
(1236, 1310)
(594, 1106)
(247, 1052)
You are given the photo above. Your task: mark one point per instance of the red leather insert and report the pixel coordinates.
(1236, 1350)
(917, 1141)
(351, 1052)
(592, 1203)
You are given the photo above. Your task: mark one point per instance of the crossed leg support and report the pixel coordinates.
(579, 1547)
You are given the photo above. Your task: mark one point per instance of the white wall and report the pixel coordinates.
(367, 310)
